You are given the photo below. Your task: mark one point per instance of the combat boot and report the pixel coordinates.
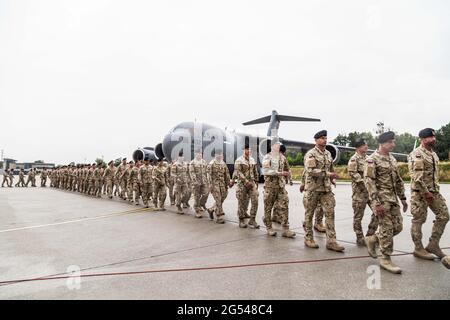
(388, 265)
(319, 227)
(334, 246)
(310, 243)
(288, 233)
(220, 220)
(253, 224)
(360, 241)
(186, 206)
(211, 213)
(198, 215)
(179, 210)
(242, 224)
(421, 253)
(371, 244)
(271, 232)
(433, 248)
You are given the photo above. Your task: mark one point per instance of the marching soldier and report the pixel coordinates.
(108, 176)
(179, 172)
(275, 170)
(385, 186)
(218, 181)
(31, 178)
(318, 213)
(11, 177)
(199, 179)
(247, 177)
(133, 183)
(44, 175)
(276, 217)
(319, 176)
(360, 196)
(145, 179)
(121, 178)
(423, 165)
(171, 183)
(96, 177)
(21, 182)
(5, 178)
(159, 176)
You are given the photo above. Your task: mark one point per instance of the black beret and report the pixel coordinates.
(427, 132)
(124, 159)
(359, 143)
(218, 151)
(321, 134)
(282, 148)
(386, 136)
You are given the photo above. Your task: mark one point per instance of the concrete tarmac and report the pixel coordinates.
(124, 251)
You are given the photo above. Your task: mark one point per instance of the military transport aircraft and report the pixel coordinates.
(191, 136)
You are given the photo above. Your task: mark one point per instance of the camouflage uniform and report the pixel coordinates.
(159, 176)
(318, 170)
(318, 213)
(145, 178)
(5, 179)
(424, 166)
(199, 178)
(247, 177)
(108, 176)
(179, 172)
(31, 178)
(122, 179)
(44, 176)
(385, 186)
(360, 196)
(21, 182)
(11, 177)
(276, 217)
(275, 192)
(218, 181)
(96, 176)
(170, 184)
(133, 184)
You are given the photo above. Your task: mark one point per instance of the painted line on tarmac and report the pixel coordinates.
(250, 265)
(115, 214)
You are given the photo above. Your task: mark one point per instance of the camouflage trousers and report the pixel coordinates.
(109, 187)
(116, 187)
(97, 188)
(43, 182)
(123, 188)
(134, 188)
(200, 196)
(32, 180)
(360, 201)
(246, 196)
(5, 179)
(187, 195)
(146, 192)
(279, 196)
(419, 211)
(90, 188)
(21, 182)
(171, 193)
(389, 226)
(219, 193)
(180, 191)
(327, 202)
(159, 195)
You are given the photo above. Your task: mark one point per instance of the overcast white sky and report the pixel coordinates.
(83, 79)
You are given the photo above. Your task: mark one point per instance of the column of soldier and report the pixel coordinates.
(376, 183)
(8, 178)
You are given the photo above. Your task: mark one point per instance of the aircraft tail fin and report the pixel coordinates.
(275, 120)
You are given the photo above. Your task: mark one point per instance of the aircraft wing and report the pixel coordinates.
(305, 146)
